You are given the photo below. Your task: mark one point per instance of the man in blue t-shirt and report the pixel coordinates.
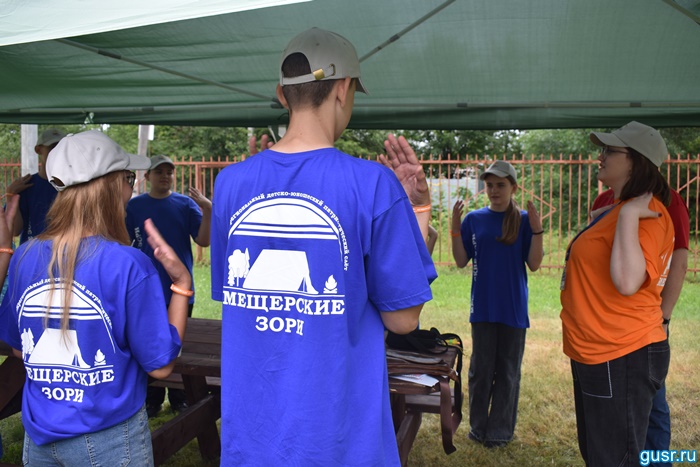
(37, 193)
(178, 218)
(313, 254)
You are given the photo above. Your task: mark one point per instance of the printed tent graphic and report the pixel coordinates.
(54, 348)
(280, 270)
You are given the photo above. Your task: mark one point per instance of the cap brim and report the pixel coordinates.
(137, 162)
(361, 87)
(607, 139)
(50, 141)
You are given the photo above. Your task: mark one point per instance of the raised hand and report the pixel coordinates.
(401, 158)
(7, 221)
(19, 185)
(265, 143)
(167, 257)
(202, 201)
(534, 217)
(457, 212)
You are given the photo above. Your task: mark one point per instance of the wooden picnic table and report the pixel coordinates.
(198, 371)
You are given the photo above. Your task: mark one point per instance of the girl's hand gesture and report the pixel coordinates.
(166, 255)
(457, 212)
(534, 217)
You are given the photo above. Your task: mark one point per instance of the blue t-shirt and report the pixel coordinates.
(34, 203)
(177, 217)
(94, 375)
(499, 278)
(306, 250)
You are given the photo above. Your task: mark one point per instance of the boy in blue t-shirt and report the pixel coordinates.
(37, 193)
(178, 218)
(315, 252)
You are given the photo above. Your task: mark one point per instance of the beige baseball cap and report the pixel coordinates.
(642, 138)
(501, 169)
(330, 55)
(81, 157)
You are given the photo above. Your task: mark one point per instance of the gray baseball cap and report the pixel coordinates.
(159, 160)
(330, 55)
(642, 138)
(49, 137)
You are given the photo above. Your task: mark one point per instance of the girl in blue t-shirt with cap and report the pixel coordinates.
(86, 313)
(499, 240)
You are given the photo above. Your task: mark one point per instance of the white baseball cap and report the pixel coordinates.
(501, 169)
(642, 138)
(81, 157)
(330, 55)
(49, 137)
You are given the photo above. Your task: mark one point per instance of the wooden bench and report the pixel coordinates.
(197, 371)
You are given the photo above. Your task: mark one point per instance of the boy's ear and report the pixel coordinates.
(280, 97)
(343, 88)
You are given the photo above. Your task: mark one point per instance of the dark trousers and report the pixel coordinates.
(156, 395)
(613, 402)
(494, 381)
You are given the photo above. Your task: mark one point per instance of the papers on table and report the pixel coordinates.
(424, 380)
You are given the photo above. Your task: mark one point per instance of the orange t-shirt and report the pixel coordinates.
(598, 323)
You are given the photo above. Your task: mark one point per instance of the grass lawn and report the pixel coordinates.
(546, 429)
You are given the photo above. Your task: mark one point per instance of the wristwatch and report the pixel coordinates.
(666, 321)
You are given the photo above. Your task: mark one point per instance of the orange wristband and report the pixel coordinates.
(9, 251)
(424, 208)
(455, 234)
(179, 291)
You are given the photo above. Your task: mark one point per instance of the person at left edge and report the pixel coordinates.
(37, 192)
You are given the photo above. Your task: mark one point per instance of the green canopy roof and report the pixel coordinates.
(455, 64)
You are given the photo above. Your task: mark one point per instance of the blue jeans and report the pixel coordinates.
(659, 431)
(494, 381)
(613, 402)
(126, 443)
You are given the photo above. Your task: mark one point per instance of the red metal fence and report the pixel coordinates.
(562, 187)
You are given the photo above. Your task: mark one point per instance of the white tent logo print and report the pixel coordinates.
(279, 269)
(54, 346)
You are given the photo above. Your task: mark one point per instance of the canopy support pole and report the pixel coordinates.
(408, 28)
(117, 56)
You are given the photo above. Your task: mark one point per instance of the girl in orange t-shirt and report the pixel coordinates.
(611, 299)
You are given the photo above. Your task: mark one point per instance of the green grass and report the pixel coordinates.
(546, 429)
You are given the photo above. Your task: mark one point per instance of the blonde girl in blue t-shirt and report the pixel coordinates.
(88, 352)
